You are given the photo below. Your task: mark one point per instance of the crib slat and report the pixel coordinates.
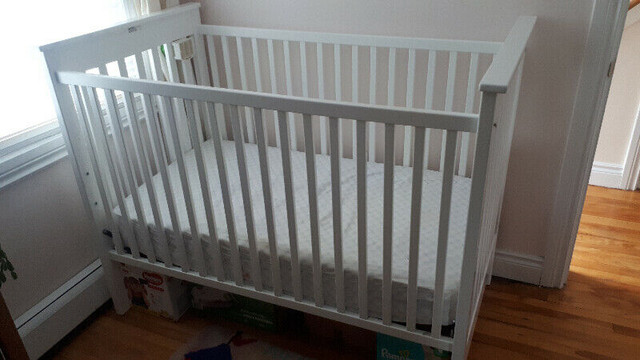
(256, 65)
(200, 61)
(361, 177)
(196, 241)
(226, 197)
(451, 81)
(156, 138)
(216, 82)
(414, 235)
(392, 77)
(158, 157)
(246, 197)
(100, 127)
(387, 224)
(227, 62)
(428, 101)
(304, 69)
(313, 209)
(287, 74)
(337, 84)
(243, 82)
(443, 231)
(337, 73)
(123, 160)
(323, 120)
(150, 117)
(196, 139)
(409, 103)
(335, 139)
(372, 100)
(471, 93)
(179, 113)
(354, 93)
(431, 73)
(142, 164)
(128, 182)
(448, 103)
(158, 75)
(83, 120)
(290, 201)
(274, 85)
(213, 59)
(268, 202)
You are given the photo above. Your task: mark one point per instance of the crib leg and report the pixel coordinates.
(118, 292)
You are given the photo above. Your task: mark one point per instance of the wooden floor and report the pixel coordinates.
(597, 315)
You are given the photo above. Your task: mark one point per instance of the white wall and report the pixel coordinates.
(44, 230)
(550, 79)
(623, 102)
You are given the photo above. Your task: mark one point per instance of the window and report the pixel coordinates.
(28, 114)
(25, 91)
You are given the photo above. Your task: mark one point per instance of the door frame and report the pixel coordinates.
(603, 40)
(631, 170)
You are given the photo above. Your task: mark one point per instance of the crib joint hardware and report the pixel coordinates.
(107, 232)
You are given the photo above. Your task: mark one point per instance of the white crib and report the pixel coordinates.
(358, 178)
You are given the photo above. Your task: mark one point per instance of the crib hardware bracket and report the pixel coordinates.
(107, 232)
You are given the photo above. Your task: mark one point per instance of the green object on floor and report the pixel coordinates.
(392, 348)
(236, 308)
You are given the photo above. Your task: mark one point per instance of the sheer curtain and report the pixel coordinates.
(25, 101)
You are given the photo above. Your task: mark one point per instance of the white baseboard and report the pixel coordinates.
(55, 316)
(606, 174)
(525, 268)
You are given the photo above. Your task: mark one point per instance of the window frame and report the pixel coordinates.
(32, 149)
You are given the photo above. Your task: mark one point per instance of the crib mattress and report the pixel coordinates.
(401, 226)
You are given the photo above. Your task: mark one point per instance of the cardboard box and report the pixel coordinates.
(159, 294)
(235, 307)
(391, 348)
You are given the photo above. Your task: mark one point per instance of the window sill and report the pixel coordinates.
(30, 151)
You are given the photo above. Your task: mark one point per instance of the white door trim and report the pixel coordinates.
(603, 41)
(631, 171)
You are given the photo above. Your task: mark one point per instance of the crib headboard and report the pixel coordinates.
(97, 48)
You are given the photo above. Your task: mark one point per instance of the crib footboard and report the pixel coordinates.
(158, 161)
(501, 90)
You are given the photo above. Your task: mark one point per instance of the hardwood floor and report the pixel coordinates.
(596, 316)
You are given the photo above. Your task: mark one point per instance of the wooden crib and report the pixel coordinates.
(355, 177)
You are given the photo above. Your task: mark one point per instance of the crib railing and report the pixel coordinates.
(317, 65)
(123, 161)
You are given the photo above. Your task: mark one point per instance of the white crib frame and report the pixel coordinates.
(67, 60)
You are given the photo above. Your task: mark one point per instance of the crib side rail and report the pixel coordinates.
(416, 73)
(434, 119)
(352, 39)
(116, 162)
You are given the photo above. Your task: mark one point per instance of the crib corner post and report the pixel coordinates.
(113, 279)
(78, 152)
(467, 296)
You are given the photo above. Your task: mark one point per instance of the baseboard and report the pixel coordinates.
(606, 174)
(520, 267)
(55, 316)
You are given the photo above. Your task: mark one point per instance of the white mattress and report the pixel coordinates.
(401, 224)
